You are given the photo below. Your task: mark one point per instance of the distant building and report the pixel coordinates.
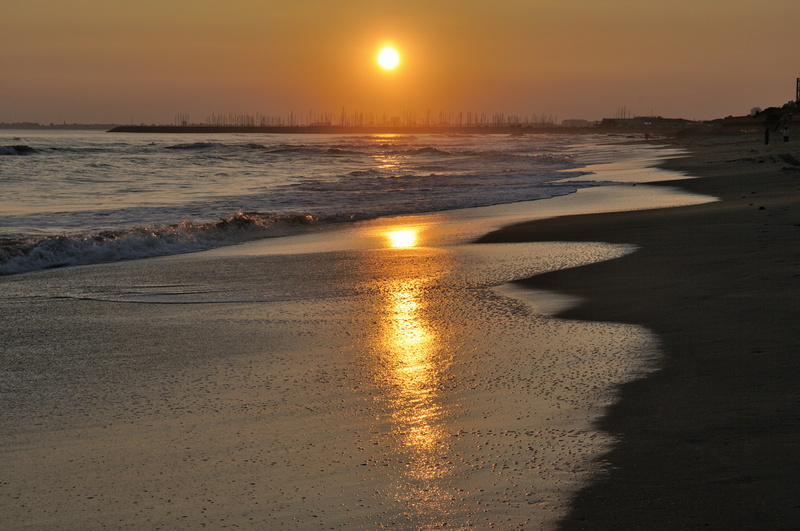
(645, 122)
(575, 123)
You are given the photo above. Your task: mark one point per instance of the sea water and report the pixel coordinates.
(357, 386)
(78, 197)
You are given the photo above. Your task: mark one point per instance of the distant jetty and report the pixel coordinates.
(343, 129)
(642, 124)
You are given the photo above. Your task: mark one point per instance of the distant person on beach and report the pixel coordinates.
(786, 133)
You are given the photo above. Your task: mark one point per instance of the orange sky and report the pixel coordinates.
(146, 61)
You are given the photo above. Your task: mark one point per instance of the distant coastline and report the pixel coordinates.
(56, 127)
(637, 125)
(341, 129)
(640, 124)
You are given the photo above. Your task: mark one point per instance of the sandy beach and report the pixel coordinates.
(710, 440)
(388, 375)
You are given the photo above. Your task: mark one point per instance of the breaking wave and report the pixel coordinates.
(20, 255)
(16, 150)
(287, 150)
(92, 198)
(195, 145)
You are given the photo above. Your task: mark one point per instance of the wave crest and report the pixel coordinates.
(32, 254)
(16, 150)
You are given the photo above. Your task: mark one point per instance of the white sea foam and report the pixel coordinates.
(19, 255)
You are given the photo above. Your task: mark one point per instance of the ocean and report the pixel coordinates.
(77, 197)
(354, 362)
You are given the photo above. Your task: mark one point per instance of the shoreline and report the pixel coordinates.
(710, 438)
(637, 182)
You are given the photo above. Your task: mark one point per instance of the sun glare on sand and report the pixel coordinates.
(403, 238)
(388, 58)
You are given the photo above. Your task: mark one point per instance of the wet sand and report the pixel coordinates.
(711, 439)
(380, 376)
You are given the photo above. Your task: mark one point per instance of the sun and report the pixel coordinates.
(388, 58)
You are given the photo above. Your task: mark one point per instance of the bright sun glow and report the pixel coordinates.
(388, 58)
(403, 239)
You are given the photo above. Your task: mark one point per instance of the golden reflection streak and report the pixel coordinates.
(412, 368)
(389, 162)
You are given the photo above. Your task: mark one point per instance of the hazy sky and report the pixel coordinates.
(145, 61)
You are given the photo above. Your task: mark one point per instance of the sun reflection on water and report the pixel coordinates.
(403, 238)
(413, 369)
(389, 163)
(412, 366)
